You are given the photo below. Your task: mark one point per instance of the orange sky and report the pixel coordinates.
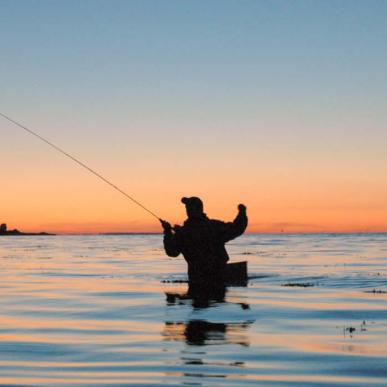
(45, 191)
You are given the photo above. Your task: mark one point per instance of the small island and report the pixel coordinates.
(5, 231)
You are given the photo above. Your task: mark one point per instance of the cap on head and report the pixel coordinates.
(193, 202)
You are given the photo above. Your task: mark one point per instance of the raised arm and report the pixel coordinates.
(238, 226)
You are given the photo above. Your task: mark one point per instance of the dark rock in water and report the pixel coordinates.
(375, 291)
(236, 273)
(299, 284)
(350, 330)
(5, 231)
(174, 281)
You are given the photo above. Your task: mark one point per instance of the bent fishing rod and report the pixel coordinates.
(60, 150)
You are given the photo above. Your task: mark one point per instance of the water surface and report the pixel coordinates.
(95, 310)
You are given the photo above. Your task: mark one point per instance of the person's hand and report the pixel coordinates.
(242, 207)
(166, 226)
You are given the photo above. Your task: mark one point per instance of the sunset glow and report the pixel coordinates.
(278, 106)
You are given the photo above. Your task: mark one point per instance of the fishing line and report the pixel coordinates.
(79, 163)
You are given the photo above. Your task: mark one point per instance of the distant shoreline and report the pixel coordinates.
(18, 233)
(4, 231)
(277, 234)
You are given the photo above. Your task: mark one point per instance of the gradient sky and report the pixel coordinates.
(280, 105)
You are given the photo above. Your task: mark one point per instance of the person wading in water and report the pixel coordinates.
(201, 241)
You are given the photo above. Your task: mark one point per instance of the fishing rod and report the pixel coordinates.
(80, 163)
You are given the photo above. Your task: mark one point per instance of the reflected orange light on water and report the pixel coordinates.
(95, 309)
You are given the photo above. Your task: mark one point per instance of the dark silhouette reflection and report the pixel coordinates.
(200, 335)
(201, 332)
(201, 296)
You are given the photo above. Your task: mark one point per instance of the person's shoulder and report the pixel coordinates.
(179, 228)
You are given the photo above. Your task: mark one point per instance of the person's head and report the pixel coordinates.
(193, 206)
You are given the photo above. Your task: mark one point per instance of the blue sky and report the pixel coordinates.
(168, 55)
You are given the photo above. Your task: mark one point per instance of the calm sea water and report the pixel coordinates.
(95, 310)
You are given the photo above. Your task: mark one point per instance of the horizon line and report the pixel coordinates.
(247, 233)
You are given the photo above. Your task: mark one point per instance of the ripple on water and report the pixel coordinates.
(94, 309)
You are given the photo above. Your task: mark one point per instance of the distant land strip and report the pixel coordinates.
(5, 232)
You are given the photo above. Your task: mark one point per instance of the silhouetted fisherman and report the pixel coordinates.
(201, 241)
